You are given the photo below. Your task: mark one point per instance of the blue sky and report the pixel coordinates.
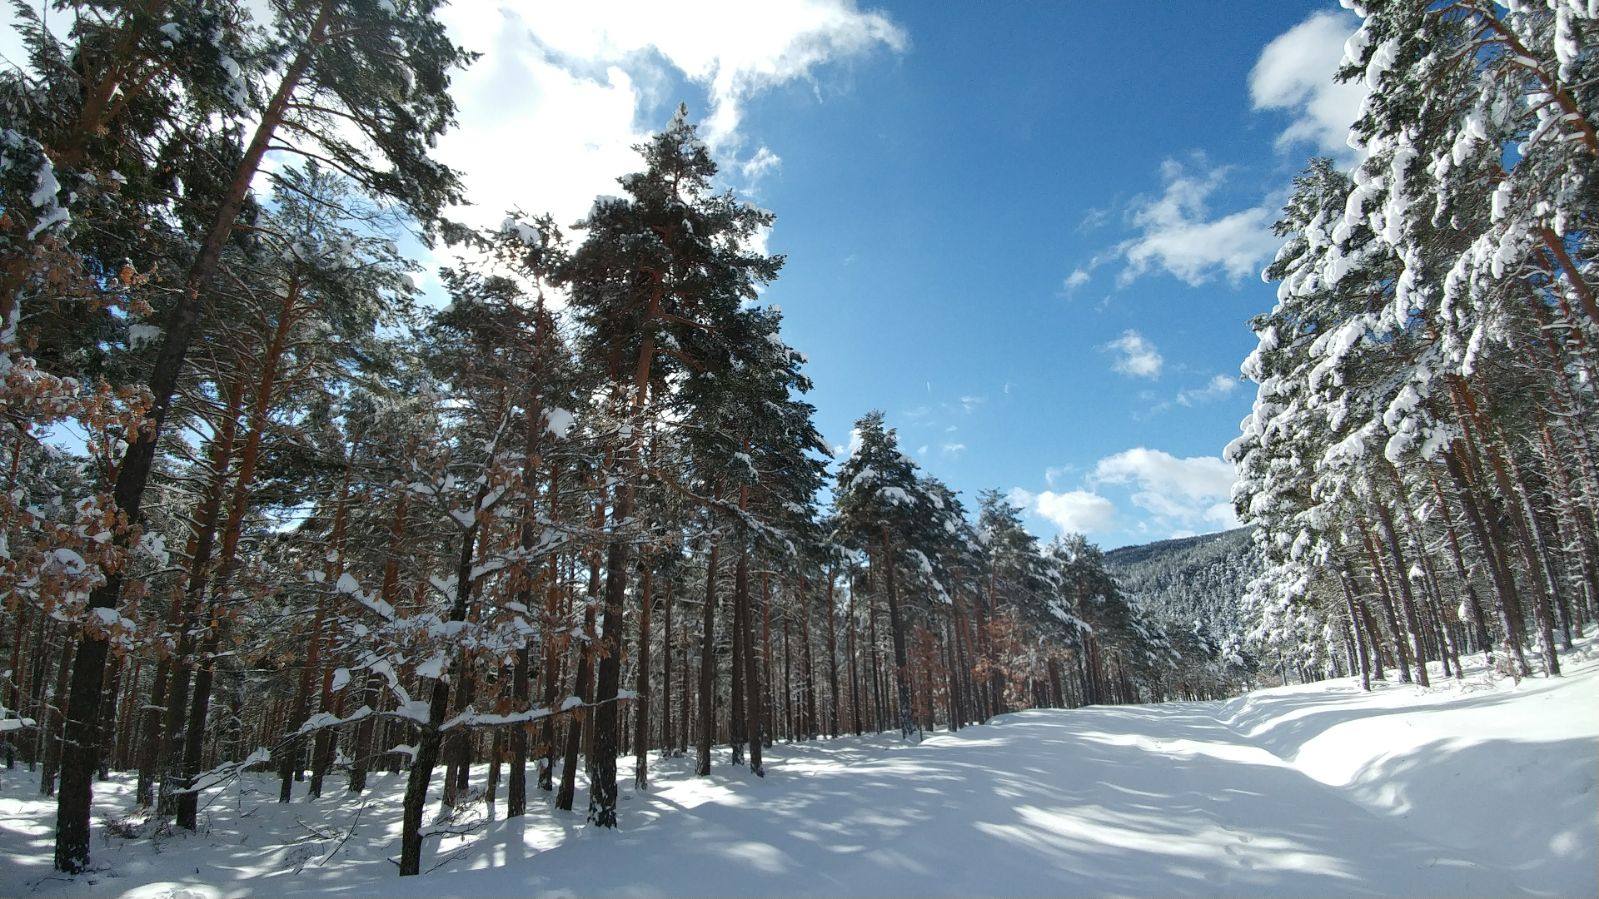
(1031, 233)
(935, 206)
(936, 201)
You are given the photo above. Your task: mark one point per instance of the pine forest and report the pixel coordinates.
(367, 528)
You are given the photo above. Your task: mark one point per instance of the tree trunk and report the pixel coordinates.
(897, 626)
(81, 733)
(555, 625)
(390, 593)
(1529, 540)
(641, 704)
(1507, 602)
(1401, 652)
(832, 657)
(585, 653)
(708, 665)
(768, 708)
(737, 714)
(667, 734)
(1406, 597)
(50, 721)
(602, 790)
(1471, 602)
(854, 674)
(164, 719)
(752, 681)
(427, 751)
(812, 725)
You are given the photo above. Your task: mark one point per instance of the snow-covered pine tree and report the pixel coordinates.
(325, 70)
(668, 260)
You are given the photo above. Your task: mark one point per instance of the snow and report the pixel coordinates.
(433, 667)
(559, 421)
(140, 335)
(46, 191)
(1484, 787)
(69, 560)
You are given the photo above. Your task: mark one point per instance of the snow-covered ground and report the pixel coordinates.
(1480, 788)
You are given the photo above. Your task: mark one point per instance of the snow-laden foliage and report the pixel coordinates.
(1419, 460)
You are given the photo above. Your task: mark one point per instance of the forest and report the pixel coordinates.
(271, 516)
(1420, 460)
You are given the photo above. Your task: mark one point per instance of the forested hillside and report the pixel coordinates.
(1194, 581)
(1194, 587)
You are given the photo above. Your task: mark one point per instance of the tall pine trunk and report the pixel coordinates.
(1407, 597)
(81, 732)
(707, 710)
(832, 657)
(897, 626)
(641, 715)
(428, 741)
(585, 655)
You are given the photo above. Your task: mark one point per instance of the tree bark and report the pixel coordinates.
(585, 653)
(897, 626)
(428, 741)
(1407, 598)
(708, 665)
(82, 728)
(1380, 576)
(752, 681)
(641, 705)
(668, 737)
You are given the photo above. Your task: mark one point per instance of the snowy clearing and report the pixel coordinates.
(1478, 788)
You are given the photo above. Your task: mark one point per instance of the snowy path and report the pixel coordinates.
(1482, 789)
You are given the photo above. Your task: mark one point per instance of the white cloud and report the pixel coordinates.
(953, 449)
(1179, 493)
(1135, 355)
(969, 403)
(1223, 515)
(1172, 496)
(844, 451)
(1217, 387)
(1093, 219)
(549, 113)
(1178, 236)
(734, 49)
(1295, 73)
(757, 166)
(1176, 232)
(1076, 279)
(1197, 477)
(532, 132)
(1075, 511)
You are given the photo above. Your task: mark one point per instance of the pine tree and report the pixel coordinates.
(355, 72)
(667, 261)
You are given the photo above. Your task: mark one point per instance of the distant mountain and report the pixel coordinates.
(1191, 579)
